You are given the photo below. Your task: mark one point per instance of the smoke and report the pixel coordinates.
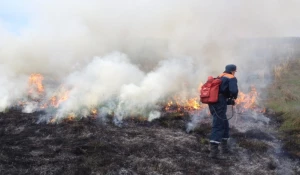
(171, 77)
(12, 86)
(196, 119)
(131, 55)
(100, 82)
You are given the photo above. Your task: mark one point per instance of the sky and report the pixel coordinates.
(16, 14)
(13, 15)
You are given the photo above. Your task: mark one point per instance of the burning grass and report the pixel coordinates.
(86, 145)
(58, 104)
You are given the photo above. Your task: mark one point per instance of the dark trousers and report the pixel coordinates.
(220, 127)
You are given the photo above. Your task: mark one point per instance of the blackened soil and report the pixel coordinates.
(89, 146)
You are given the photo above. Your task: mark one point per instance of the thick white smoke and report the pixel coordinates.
(12, 86)
(171, 77)
(100, 82)
(125, 55)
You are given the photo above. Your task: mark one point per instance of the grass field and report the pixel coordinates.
(284, 100)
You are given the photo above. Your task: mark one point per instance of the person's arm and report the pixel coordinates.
(233, 87)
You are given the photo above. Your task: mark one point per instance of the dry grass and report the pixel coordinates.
(284, 92)
(284, 99)
(254, 145)
(281, 68)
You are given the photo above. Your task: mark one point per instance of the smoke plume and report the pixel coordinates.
(129, 56)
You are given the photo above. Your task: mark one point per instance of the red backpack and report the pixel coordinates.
(209, 92)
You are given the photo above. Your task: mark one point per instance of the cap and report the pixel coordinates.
(230, 68)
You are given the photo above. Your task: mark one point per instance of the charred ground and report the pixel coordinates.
(89, 146)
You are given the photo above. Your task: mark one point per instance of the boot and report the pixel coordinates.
(224, 147)
(214, 152)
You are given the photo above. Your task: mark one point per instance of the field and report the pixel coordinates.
(284, 100)
(163, 146)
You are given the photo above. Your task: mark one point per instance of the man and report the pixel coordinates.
(228, 92)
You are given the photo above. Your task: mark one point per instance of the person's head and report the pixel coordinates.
(230, 68)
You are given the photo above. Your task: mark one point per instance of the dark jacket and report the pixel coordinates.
(229, 87)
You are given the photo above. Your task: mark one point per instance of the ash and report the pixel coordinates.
(91, 146)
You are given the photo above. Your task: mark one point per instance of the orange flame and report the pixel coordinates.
(180, 105)
(248, 101)
(245, 101)
(57, 99)
(35, 83)
(71, 117)
(193, 103)
(94, 111)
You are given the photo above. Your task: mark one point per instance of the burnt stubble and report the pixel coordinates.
(91, 146)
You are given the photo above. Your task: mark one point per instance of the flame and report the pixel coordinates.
(35, 83)
(245, 101)
(142, 118)
(181, 105)
(94, 113)
(56, 100)
(248, 101)
(53, 120)
(193, 103)
(71, 117)
(53, 101)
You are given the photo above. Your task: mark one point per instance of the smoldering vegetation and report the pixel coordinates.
(91, 146)
(138, 52)
(126, 58)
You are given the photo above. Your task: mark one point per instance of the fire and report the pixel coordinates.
(35, 83)
(71, 117)
(180, 105)
(56, 100)
(53, 120)
(245, 101)
(37, 94)
(193, 103)
(35, 91)
(248, 101)
(53, 101)
(94, 113)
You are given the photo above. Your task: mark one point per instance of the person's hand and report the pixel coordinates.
(230, 101)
